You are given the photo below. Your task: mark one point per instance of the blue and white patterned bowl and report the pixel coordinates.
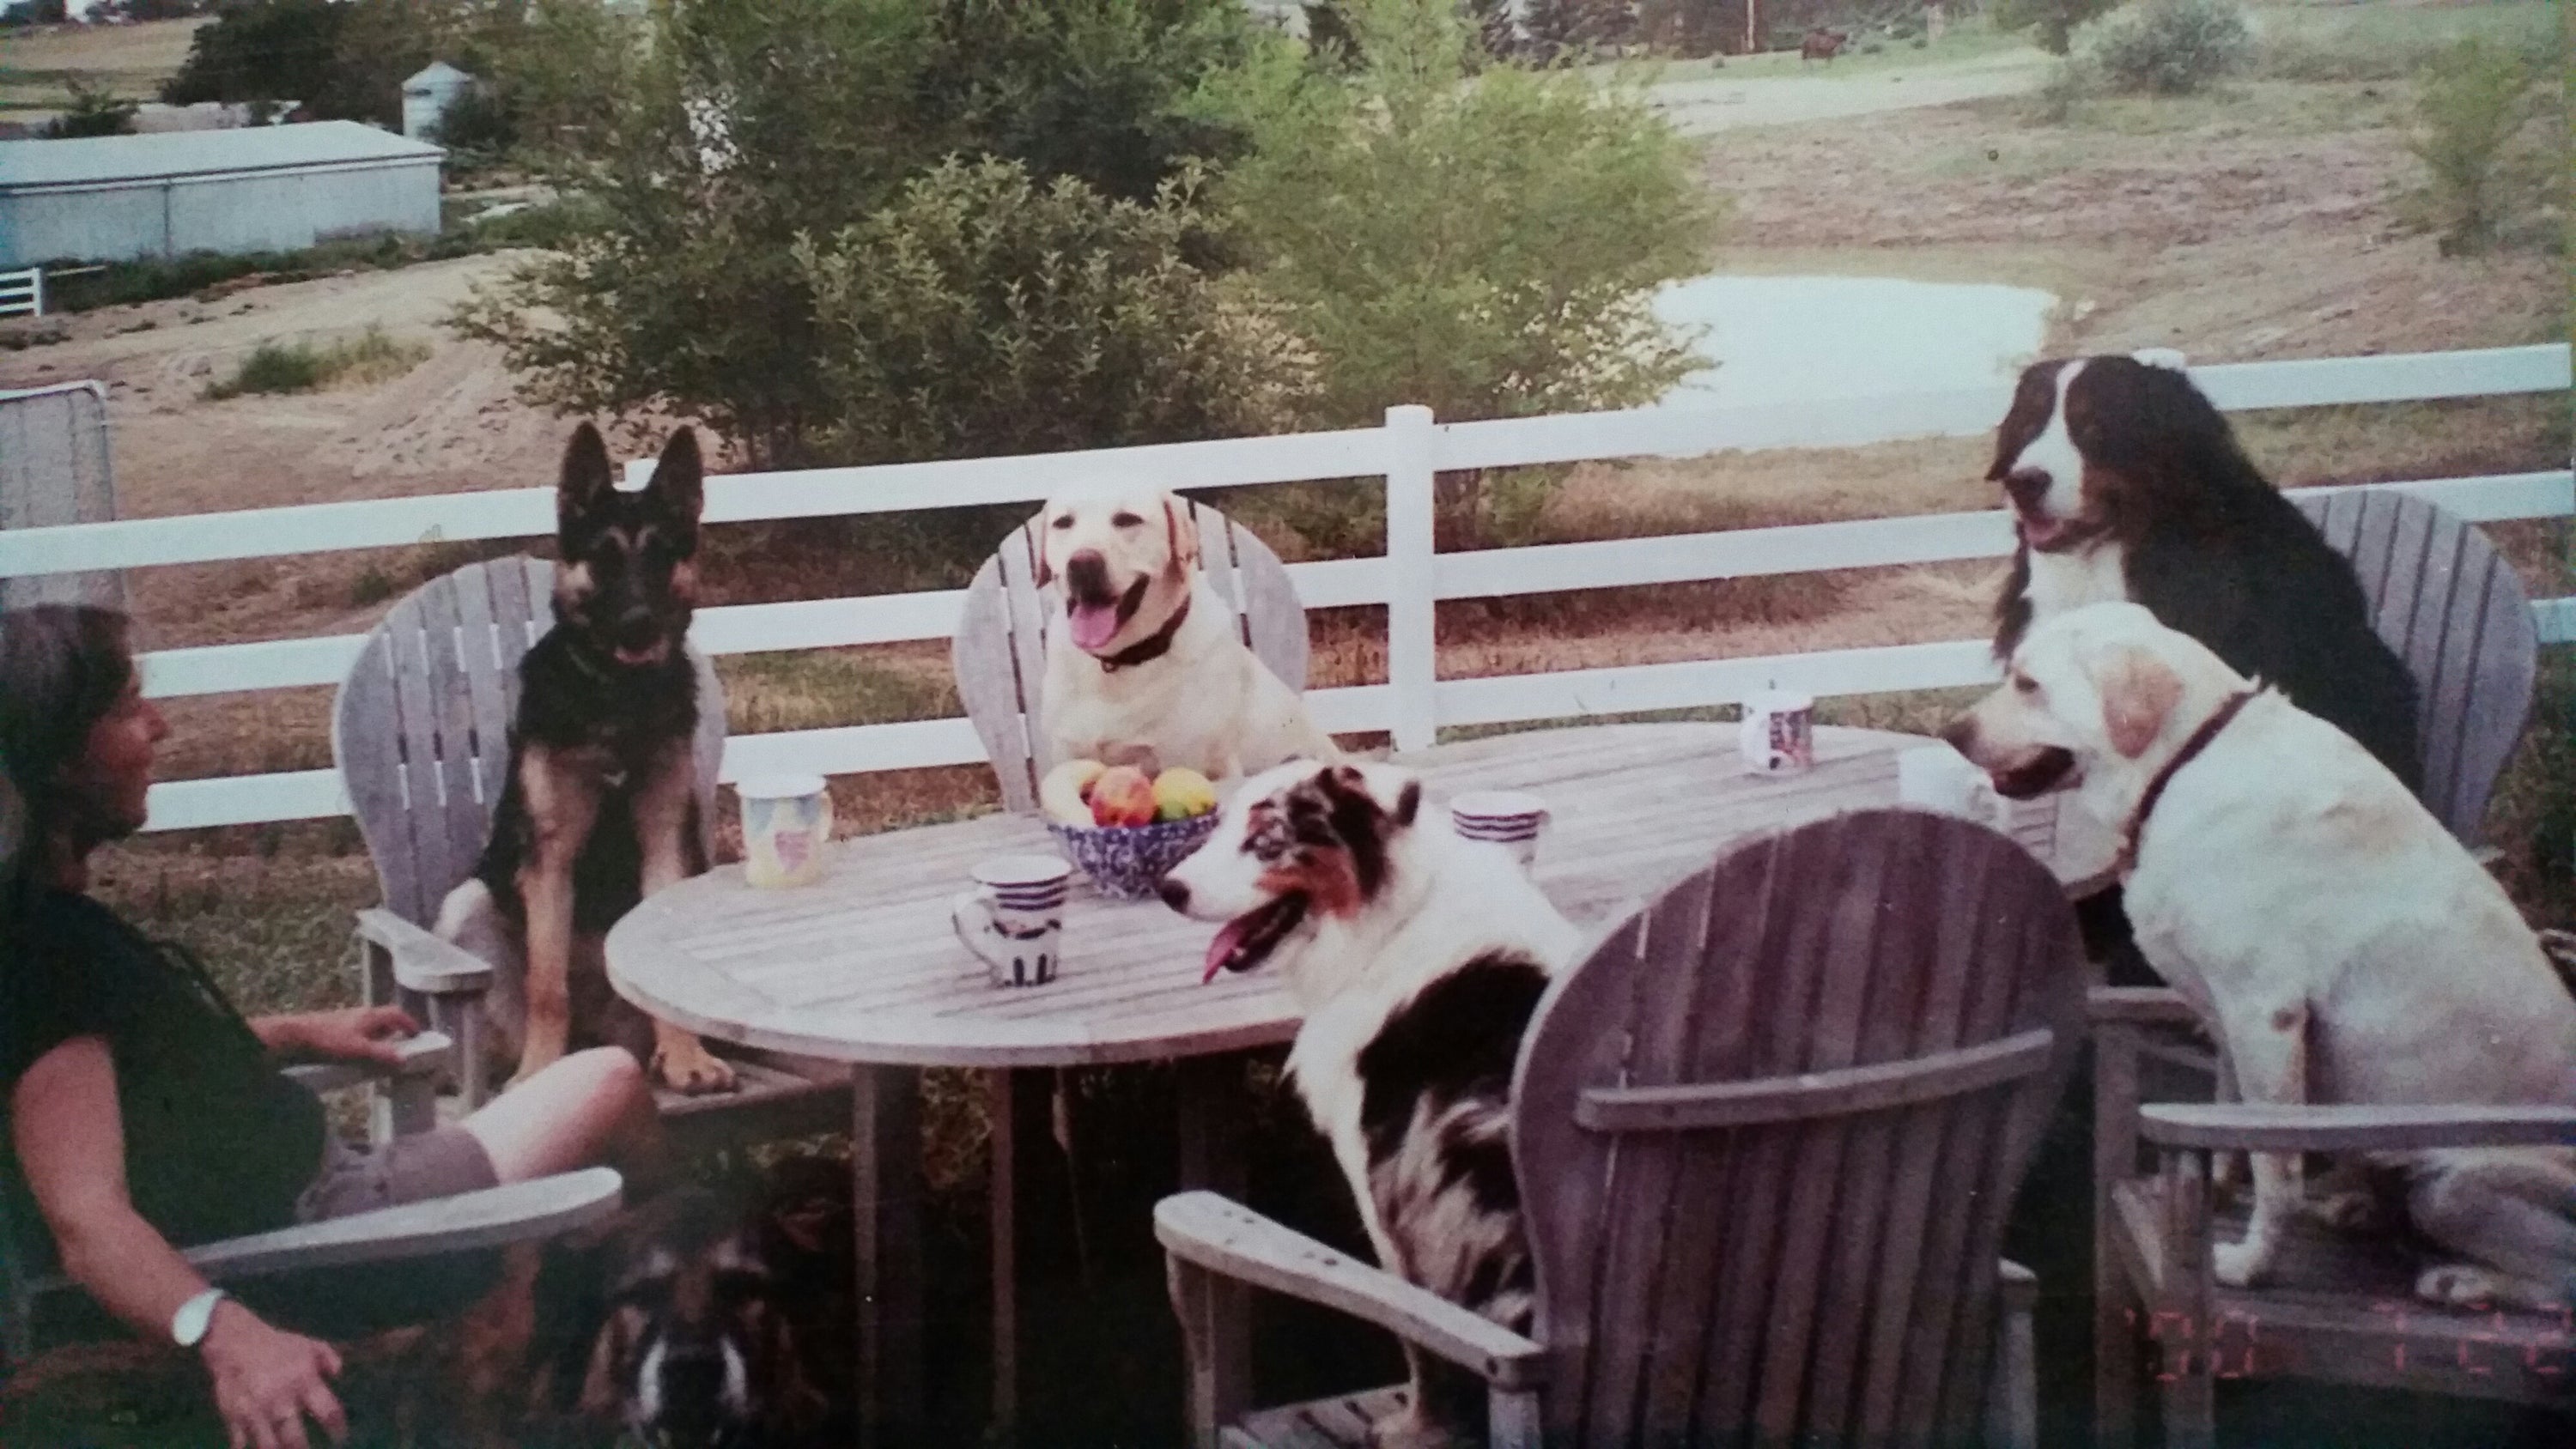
(1126, 862)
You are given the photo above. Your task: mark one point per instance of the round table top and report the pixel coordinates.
(864, 967)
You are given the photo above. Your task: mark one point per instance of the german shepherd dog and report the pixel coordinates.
(725, 1322)
(600, 808)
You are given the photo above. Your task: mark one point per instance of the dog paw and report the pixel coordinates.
(1407, 1428)
(2353, 1211)
(2239, 1265)
(692, 1071)
(2458, 1285)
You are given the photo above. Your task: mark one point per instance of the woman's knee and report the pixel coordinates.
(610, 1077)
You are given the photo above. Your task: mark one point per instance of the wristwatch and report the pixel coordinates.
(188, 1325)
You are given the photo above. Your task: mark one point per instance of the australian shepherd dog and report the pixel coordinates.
(1418, 958)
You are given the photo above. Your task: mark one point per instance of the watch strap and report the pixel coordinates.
(188, 1325)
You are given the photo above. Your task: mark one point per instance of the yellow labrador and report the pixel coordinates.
(1146, 661)
(2336, 940)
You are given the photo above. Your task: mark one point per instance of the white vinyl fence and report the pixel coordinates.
(22, 293)
(1410, 579)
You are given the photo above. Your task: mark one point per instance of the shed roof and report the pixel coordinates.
(91, 160)
(433, 73)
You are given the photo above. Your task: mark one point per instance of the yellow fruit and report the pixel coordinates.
(1181, 792)
(1065, 794)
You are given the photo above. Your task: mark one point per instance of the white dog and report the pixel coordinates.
(1147, 659)
(2336, 940)
(1418, 958)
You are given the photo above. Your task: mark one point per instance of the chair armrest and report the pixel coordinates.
(2138, 1005)
(2261, 1128)
(423, 962)
(494, 1217)
(1232, 1241)
(424, 1055)
(2019, 1285)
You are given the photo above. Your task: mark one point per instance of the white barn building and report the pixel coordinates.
(262, 188)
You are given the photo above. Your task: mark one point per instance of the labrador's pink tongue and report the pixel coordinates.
(1093, 624)
(1221, 950)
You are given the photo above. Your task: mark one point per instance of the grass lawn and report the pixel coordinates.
(38, 67)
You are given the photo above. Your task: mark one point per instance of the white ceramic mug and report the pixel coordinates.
(1013, 920)
(786, 821)
(1778, 736)
(1511, 819)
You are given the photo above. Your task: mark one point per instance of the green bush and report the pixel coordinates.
(2051, 23)
(2070, 83)
(2170, 47)
(984, 313)
(2474, 103)
(95, 111)
(274, 367)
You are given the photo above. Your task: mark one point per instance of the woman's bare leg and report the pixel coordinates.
(589, 1108)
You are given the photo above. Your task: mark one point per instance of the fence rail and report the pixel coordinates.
(1409, 580)
(22, 293)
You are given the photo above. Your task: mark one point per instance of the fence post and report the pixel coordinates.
(37, 275)
(1411, 665)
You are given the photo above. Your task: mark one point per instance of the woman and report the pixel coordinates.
(144, 1111)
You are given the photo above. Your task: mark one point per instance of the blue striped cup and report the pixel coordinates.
(1511, 819)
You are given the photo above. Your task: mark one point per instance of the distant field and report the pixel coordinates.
(38, 67)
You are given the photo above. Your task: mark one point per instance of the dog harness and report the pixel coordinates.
(1150, 648)
(2190, 751)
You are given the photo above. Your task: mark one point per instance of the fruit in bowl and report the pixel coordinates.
(1124, 828)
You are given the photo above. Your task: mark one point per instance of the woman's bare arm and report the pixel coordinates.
(71, 1145)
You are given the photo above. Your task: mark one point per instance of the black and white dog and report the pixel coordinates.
(2127, 484)
(1418, 958)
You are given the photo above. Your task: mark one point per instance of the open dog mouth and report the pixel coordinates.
(632, 656)
(1248, 939)
(2049, 768)
(1096, 620)
(2055, 535)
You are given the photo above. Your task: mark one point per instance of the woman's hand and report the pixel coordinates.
(355, 1034)
(268, 1380)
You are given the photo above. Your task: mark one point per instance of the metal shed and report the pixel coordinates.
(263, 188)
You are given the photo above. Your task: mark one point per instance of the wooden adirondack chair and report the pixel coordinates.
(1000, 648)
(2342, 1309)
(421, 734)
(1766, 1137)
(323, 1256)
(2457, 614)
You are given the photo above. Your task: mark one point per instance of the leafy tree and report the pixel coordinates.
(261, 50)
(2170, 47)
(984, 313)
(36, 12)
(2052, 22)
(1489, 249)
(746, 124)
(2475, 100)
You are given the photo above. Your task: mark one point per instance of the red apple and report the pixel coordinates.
(1123, 796)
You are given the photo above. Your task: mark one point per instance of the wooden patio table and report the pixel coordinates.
(864, 968)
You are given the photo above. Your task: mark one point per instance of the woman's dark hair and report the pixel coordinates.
(62, 669)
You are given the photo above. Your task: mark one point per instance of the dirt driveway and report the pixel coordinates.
(1723, 103)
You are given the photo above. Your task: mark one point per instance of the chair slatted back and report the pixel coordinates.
(421, 728)
(2456, 612)
(1000, 648)
(1767, 1135)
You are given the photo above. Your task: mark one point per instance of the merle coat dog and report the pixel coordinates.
(600, 807)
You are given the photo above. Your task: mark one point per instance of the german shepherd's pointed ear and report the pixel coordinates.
(679, 481)
(588, 478)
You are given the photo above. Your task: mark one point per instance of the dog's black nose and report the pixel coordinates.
(1174, 894)
(638, 629)
(1086, 575)
(2027, 486)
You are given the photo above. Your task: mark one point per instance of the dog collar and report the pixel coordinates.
(1152, 647)
(2190, 751)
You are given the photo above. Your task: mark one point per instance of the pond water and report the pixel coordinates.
(1787, 339)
